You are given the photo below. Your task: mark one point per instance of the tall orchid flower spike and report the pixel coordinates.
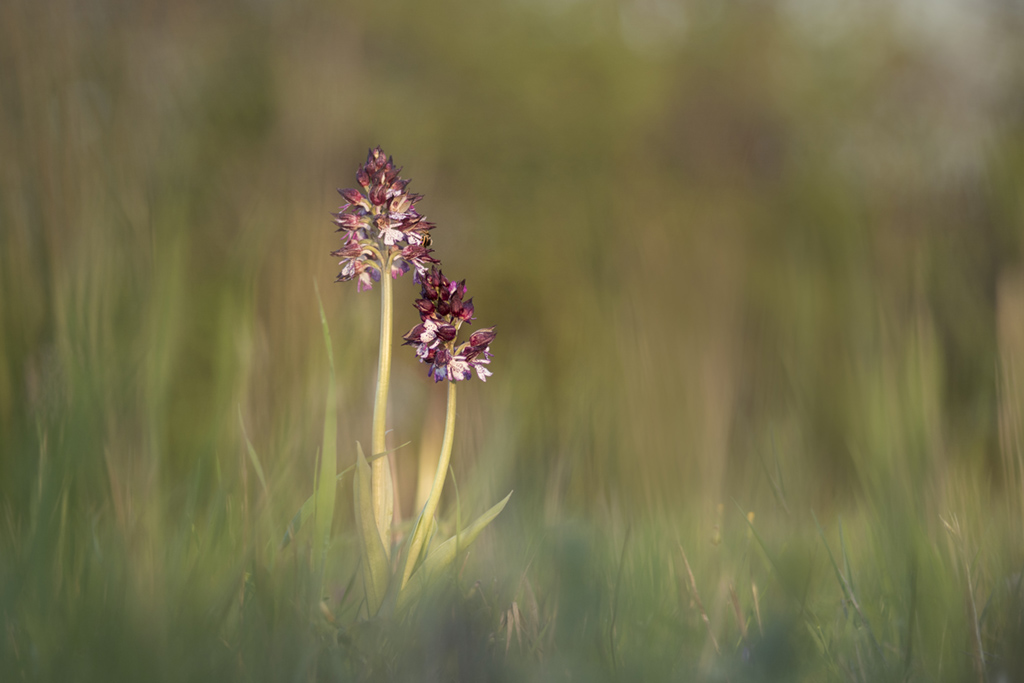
(381, 229)
(381, 232)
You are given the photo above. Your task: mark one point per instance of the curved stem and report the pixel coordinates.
(419, 535)
(380, 477)
(374, 252)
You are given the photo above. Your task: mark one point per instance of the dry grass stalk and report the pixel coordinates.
(697, 600)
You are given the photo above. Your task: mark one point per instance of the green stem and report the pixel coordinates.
(419, 535)
(380, 477)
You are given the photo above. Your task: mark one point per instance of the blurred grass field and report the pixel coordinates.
(763, 258)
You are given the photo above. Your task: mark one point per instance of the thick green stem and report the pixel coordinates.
(419, 535)
(382, 487)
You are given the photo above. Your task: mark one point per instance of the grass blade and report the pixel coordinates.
(848, 592)
(253, 458)
(304, 513)
(306, 510)
(327, 469)
(375, 567)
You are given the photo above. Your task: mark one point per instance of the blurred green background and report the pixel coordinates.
(758, 256)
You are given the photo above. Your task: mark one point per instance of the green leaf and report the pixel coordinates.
(443, 555)
(376, 571)
(327, 469)
(431, 533)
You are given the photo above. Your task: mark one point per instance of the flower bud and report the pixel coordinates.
(482, 337)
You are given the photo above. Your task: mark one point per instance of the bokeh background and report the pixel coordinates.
(752, 256)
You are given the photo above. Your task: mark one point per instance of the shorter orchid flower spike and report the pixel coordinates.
(443, 308)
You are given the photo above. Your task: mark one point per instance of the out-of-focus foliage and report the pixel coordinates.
(762, 252)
